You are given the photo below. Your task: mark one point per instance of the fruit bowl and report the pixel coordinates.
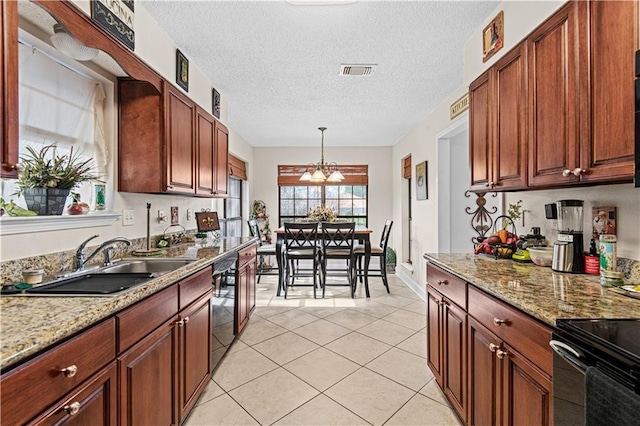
(541, 256)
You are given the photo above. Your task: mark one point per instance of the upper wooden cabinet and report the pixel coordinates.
(498, 124)
(9, 89)
(178, 143)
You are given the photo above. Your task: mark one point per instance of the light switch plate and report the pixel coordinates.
(127, 218)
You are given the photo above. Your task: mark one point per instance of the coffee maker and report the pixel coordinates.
(568, 250)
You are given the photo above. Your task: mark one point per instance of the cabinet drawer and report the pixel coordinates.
(516, 328)
(142, 318)
(34, 386)
(195, 286)
(247, 255)
(452, 287)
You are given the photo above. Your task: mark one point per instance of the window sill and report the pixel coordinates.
(22, 225)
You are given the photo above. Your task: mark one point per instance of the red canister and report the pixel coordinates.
(592, 264)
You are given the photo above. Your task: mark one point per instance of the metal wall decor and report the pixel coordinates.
(182, 70)
(216, 103)
(117, 17)
(481, 221)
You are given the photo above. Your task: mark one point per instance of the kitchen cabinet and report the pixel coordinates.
(9, 89)
(181, 144)
(498, 138)
(245, 278)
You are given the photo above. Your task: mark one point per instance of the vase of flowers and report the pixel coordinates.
(46, 178)
(322, 214)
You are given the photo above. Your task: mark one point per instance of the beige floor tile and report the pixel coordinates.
(377, 310)
(323, 311)
(370, 396)
(293, 319)
(407, 292)
(273, 395)
(394, 300)
(351, 319)
(269, 311)
(322, 331)
(258, 330)
(418, 307)
(285, 347)
(240, 367)
(321, 368)
(321, 411)
(421, 410)
(407, 319)
(220, 411)
(402, 367)
(236, 346)
(433, 391)
(211, 391)
(386, 332)
(416, 344)
(358, 348)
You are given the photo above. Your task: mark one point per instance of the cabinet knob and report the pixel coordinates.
(9, 166)
(440, 282)
(186, 320)
(578, 171)
(501, 353)
(180, 323)
(566, 173)
(443, 303)
(69, 371)
(490, 184)
(493, 347)
(499, 322)
(72, 409)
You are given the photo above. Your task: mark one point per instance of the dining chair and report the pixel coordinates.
(338, 243)
(263, 250)
(379, 252)
(300, 243)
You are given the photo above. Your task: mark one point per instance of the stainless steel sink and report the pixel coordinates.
(151, 266)
(91, 285)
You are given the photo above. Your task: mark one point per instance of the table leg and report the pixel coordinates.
(279, 263)
(367, 259)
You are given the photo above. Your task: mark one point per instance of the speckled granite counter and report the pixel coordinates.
(29, 324)
(539, 291)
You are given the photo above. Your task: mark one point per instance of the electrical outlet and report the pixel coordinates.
(189, 214)
(127, 218)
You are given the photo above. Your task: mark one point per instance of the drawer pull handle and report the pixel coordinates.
(493, 347)
(70, 371)
(445, 282)
(499, 322)
(501, 354)
(72, 409)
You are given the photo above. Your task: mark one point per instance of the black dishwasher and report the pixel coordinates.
(222, 307)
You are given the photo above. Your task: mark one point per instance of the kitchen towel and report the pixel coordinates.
(608, 402)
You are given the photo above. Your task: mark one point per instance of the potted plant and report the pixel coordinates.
(46, 178)
(391, 260)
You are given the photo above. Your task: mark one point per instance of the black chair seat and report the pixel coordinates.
(379, 252)
(374, 250)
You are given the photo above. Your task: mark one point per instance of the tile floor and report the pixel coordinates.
(332, 361)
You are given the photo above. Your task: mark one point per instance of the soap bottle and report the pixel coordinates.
(592, 260)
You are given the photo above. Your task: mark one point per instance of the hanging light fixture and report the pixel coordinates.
(70, 46)
(321, 171)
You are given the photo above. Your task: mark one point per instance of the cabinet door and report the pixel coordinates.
(9, 89)
(222, 160)
(205, 126)
(148, 379)
(242, 308)
(510, 141)
(526, 392)
(195, 352)
(480, 136)
(180, 142)
(434, 334)
(484, 375)
(95, 403)
(553, 137)
(607, 148)
(454, 348)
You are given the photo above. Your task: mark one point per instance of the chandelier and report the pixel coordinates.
(321, 171)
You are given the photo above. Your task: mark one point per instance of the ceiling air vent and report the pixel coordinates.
(357, 70)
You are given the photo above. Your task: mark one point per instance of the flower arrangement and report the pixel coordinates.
(322, 213)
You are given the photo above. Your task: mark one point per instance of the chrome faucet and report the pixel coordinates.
(80, 258)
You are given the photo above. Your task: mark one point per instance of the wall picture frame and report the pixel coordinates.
(422, 183)
(493, 37)
(215, 108)
(182, 70)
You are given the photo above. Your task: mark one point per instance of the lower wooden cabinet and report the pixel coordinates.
(245, 286)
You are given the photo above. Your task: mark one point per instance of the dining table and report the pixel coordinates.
(362, 234)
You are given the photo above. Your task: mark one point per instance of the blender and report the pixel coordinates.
(568, 250)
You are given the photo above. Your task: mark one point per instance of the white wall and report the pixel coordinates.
(265, 178)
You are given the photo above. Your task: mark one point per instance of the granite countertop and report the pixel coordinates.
(29, 324)
(539, 291)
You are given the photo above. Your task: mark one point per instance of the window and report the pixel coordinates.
(231, 225)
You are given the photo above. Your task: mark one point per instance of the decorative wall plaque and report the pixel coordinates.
(182, 70)
(117, 17)
(460, 106)
(216, 103)
(207, 221)
(493, 37)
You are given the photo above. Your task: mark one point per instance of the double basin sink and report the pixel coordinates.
(111, 280)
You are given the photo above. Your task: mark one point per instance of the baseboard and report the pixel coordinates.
(406, 278)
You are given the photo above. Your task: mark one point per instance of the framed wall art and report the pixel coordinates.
(182, 70)
(216, 103)
(493, 37)
(422, 192)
